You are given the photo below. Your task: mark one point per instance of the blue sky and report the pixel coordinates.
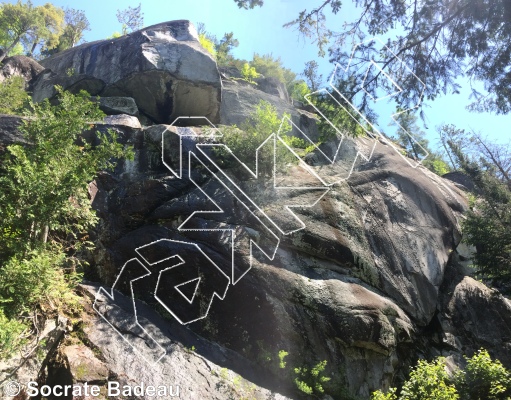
(260, 30)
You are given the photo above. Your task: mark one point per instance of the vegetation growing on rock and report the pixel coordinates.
(45, 213)
(482, 378)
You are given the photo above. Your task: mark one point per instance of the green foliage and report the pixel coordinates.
(337, 115)
(249, 73)
(13, 97)
(379, 395)
(10, 335)
(246, 4)
(457, 137)
(29, 280)
(75, 24)
(298, 90)
(131, 19)
(115, 35)
(410, 136)
(300, 146)
(438, 43)
(483, 378)
(207, 44)
(48, 32)
(223, 49)
(282, 355)
(487, 225)
(429, 381)
(22, 23)
(434, 162)
(38, 181)
(271, 67)
(312, 77)
(45, 211)
(244, 142)
(311, 380)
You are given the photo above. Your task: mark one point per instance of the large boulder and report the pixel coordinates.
(163, 67)
(466, 310)
(22, 66)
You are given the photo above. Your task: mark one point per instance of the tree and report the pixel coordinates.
(224, 47)
(487, 226)
(270, 66)
(29, 25)
(410, 136)
(246, 4)
(482, 378)
(311, 75)
(45, 212)
(76, 23)
(439, 40)
(131, 18)
(44, 186)
(48, 31)
(458, 137)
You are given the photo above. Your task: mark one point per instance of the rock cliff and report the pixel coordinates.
(368, 274)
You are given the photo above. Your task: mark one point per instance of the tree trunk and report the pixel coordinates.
(44, 236)
(9, 49)
(34, 45)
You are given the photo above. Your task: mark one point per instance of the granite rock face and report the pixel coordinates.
(162, 67)
(22, 66)
(355, 286)
(367, 274)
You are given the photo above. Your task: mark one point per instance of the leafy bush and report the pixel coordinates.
(282, 355)
(298, 90)
(13, 96)
(271, 67)
(45, 211)
(483, 378)
(245, 140)
(10, 335)
(115, 35)
(38, 181)
(436, 164)
(249, 73)
(207, 44)
(37, 277)
(429, 381)
(310, 380)
(379, 395)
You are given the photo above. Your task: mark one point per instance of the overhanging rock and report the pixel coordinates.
(163, 67)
